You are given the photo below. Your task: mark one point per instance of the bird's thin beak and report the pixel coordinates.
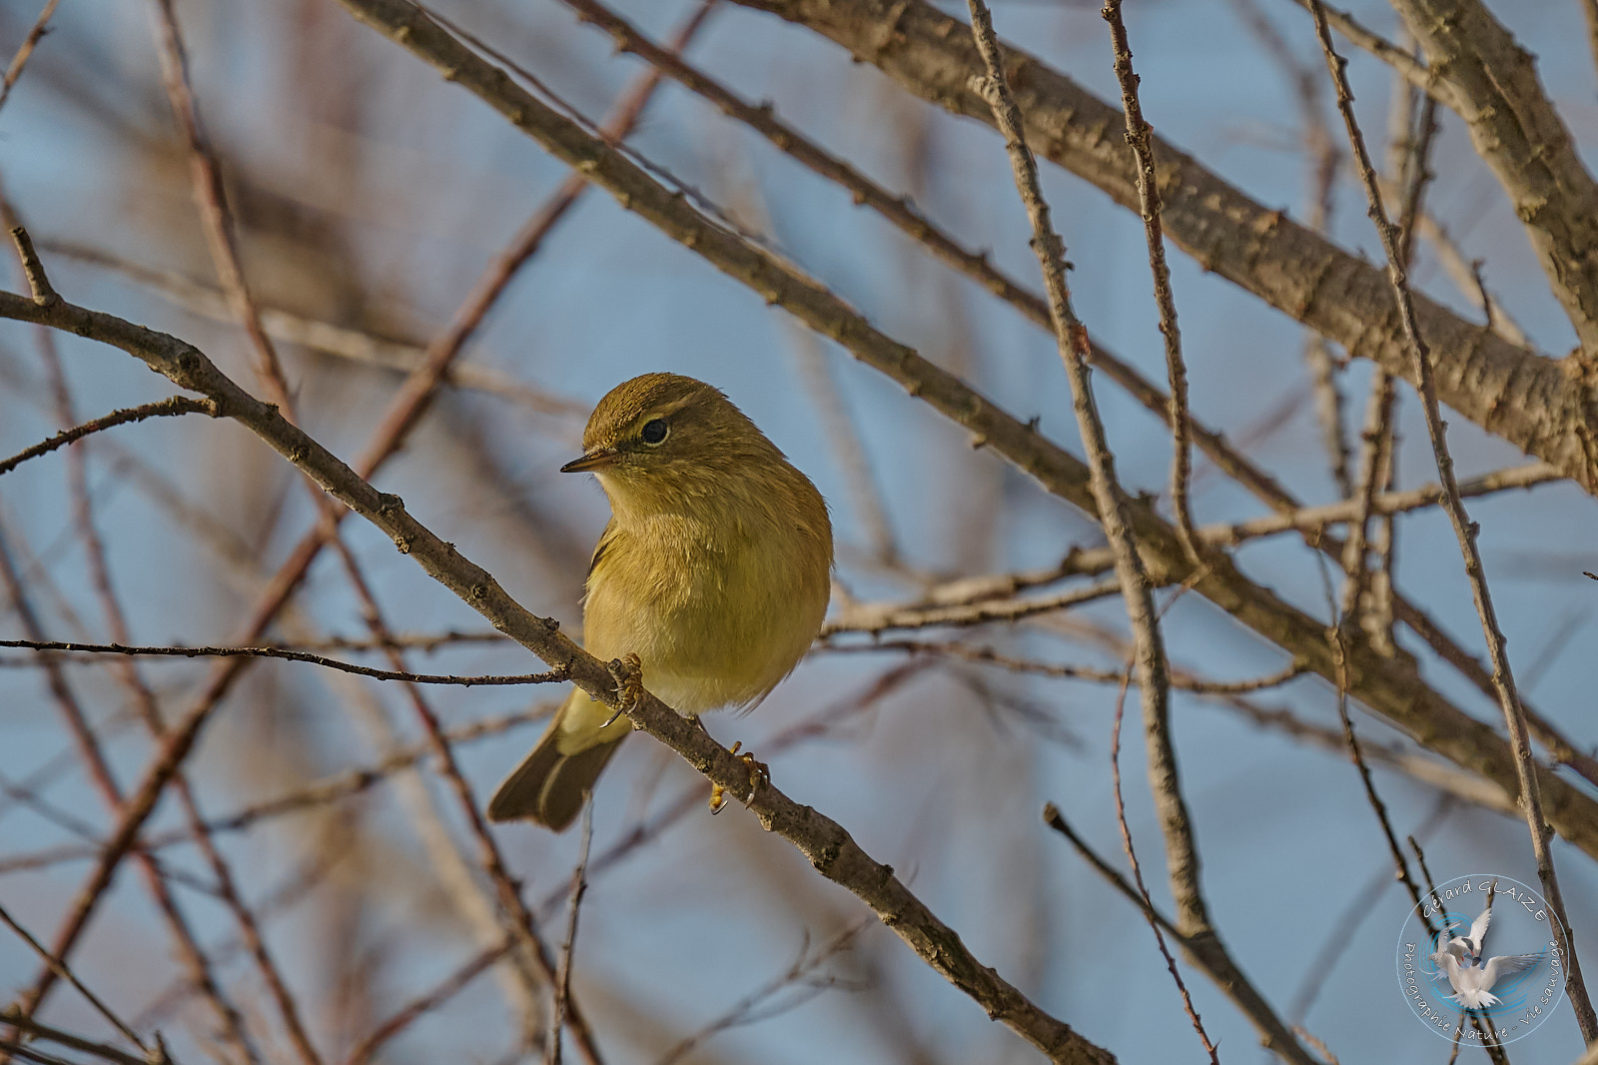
(597, 459)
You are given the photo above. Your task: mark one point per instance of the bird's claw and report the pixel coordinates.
(759, 774)
(628, 673)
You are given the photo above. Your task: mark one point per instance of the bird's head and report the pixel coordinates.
(662, 441)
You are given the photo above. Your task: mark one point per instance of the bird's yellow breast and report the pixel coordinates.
(719, 609)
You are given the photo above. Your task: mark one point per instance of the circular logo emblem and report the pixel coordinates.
(1482, 957)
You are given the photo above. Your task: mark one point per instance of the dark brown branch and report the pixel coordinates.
(167, 651)
(166, 408)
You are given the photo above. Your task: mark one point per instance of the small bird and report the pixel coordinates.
(715, 571)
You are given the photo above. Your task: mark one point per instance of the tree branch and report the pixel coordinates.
(1509, 391)
(1519, 134)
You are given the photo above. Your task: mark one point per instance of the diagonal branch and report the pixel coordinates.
(1517, 131)
(165, 408)
(1509, 391)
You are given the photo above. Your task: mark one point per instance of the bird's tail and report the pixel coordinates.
(1475, 998)
(551, 783)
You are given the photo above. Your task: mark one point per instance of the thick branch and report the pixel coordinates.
(1507, 390)
(1518, 133)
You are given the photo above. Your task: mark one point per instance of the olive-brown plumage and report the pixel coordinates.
(714, 570)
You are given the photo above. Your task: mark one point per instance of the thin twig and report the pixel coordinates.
(402, 1018)
(166, 408)
(757, 1004)
(70, 977)
(314, 334)
(553, 676)
(24, 51)
(1231, 981)
(876, 618)
(990, 656)
(1119, 796)
(568, 946)
(1148, 190)
(12, 1015)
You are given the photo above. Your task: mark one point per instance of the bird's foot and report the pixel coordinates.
(628, 673)
(759, 774)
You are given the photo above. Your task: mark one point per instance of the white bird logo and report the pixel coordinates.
(1459, 959)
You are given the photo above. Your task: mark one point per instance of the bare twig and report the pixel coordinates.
(11, 1015)
(876, 618)
(990, 656)
(61, 970)
(1119, 795)
(568, 945)
(758, 1004)
(166, 408)
(327, 338)
(1148, 191)
(1216, 965)
(24, 51)
(169, 651)
(404, 1017)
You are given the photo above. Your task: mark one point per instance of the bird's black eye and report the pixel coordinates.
(654, 431)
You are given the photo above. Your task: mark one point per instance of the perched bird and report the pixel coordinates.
(714, 570)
